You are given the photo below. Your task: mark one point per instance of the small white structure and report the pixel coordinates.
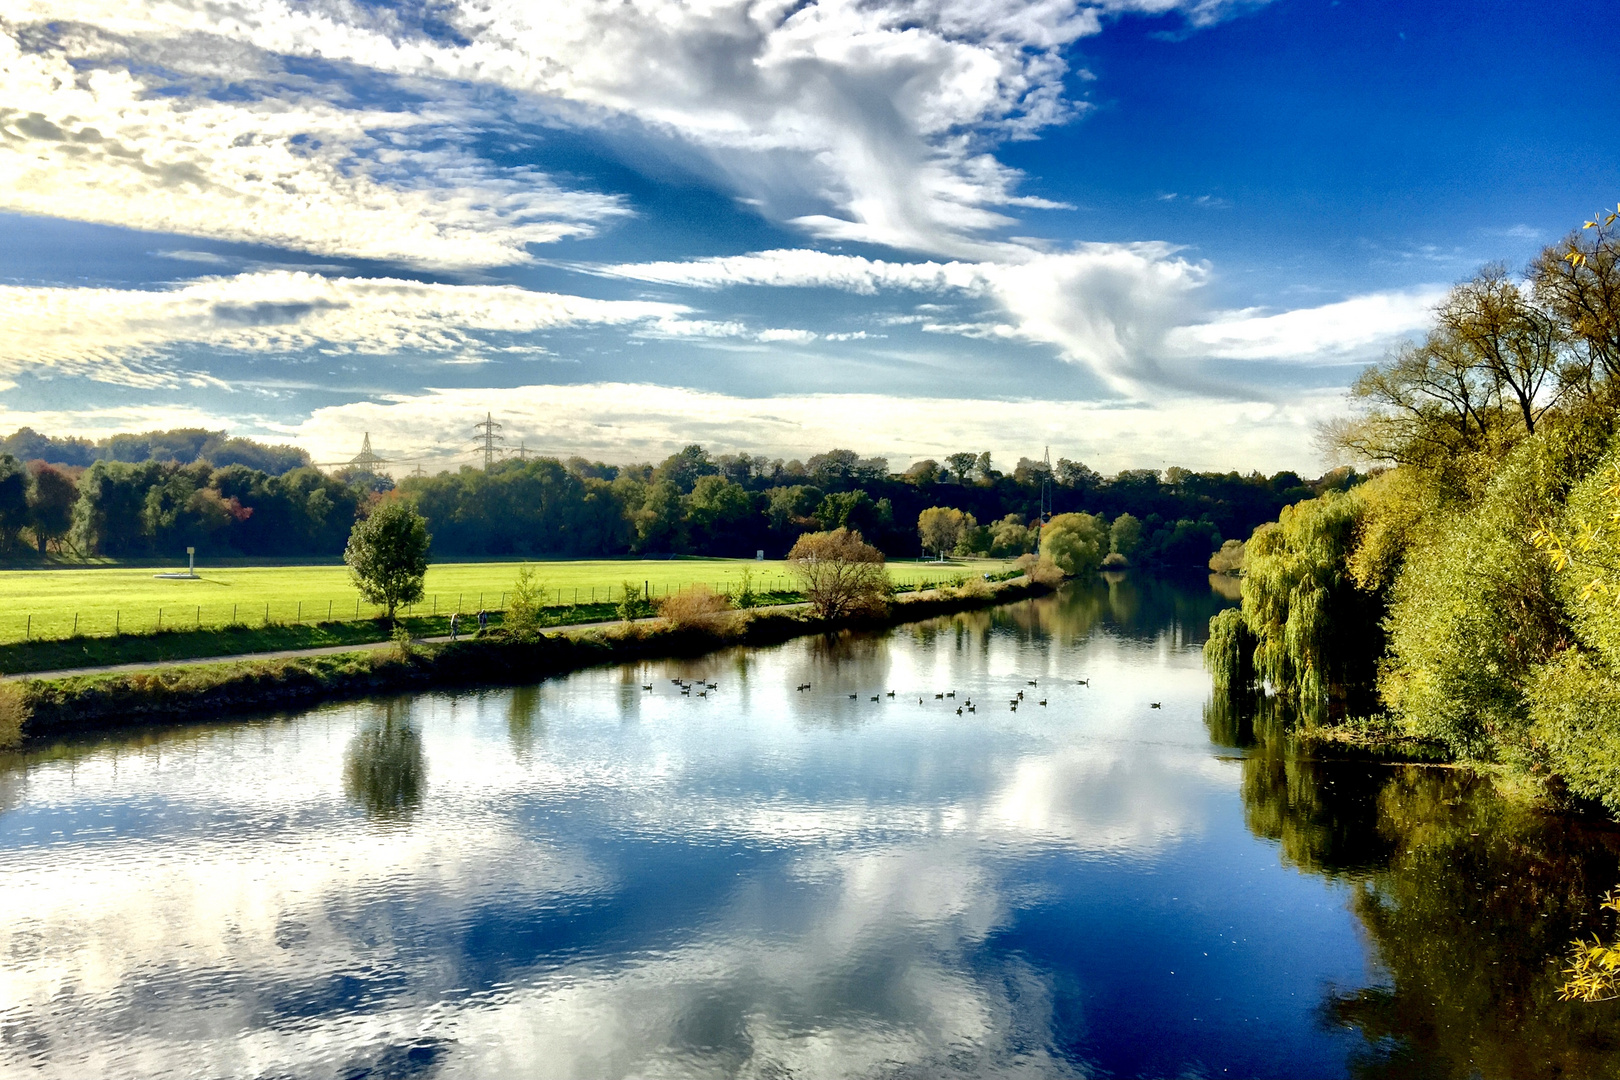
(191, 566)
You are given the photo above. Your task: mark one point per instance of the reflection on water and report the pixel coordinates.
(605, 880)
(384, 768)
(1468, 902)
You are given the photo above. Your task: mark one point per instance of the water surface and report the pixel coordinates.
(586, 878)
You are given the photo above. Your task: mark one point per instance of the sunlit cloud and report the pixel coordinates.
(91, 136)
(125, 336)
(853, 121)
(1130, 312)
(1355, 328)
(635, 422)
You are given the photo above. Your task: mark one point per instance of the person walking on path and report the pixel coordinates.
(483, 619)
(455, 624)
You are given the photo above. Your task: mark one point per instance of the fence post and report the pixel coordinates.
(28, 630)
(116, 614)
(233, 614)
(199, 616)
(329, 611)
(267, 613)
(75, 624)
(160, 618)
(300, 612)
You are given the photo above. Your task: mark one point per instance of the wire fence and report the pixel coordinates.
(56, 625)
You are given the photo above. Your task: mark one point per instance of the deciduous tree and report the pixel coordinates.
(842, 575)
(388, 555)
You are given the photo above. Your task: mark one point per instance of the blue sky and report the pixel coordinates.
(1143, 233)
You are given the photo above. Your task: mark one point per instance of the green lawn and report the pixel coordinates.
(96, 601)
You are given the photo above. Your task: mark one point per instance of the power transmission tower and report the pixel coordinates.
(419, 471)
(522, 452)
(489, 427)
(1046, 488)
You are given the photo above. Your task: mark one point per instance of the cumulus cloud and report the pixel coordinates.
(870, 121)
(629, 422)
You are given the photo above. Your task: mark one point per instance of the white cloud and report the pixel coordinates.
(630, 422)
(124, 335)
(105, 145)
(1103, 305)
(856, 120)
(1332, 332)
(1130, 312)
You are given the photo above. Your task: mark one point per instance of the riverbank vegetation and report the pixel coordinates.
(46, 707)
(1434, 862)
(1469, 593)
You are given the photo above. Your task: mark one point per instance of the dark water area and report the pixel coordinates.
(586, 878)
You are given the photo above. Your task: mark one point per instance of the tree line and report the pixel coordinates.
(693, 502)
(1469, 593)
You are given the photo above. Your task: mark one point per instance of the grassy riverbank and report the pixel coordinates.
(124, 601)
(43, 708)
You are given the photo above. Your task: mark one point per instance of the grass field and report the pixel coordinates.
(55, 604)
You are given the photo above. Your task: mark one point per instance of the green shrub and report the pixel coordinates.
(1575, 722)
(13, 713)
(1475, 608)
(528, 602)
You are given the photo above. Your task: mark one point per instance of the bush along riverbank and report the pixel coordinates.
(32, 709)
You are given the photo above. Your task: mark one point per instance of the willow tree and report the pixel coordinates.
(1313, 627)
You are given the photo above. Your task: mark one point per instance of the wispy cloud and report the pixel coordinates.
(1331, 332)
(1130, 312)
(127, 335)
(872, 121)
(88, 135)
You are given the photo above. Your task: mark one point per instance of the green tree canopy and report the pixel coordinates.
(388, 555)
(1075, 543)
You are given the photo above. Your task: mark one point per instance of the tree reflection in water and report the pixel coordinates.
(384, 768)
(1469, 902)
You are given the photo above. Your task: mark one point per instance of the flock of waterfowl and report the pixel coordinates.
(967, 703)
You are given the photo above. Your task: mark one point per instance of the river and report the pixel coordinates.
(587, 878)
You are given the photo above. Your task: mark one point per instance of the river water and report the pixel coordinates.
(587, 878)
